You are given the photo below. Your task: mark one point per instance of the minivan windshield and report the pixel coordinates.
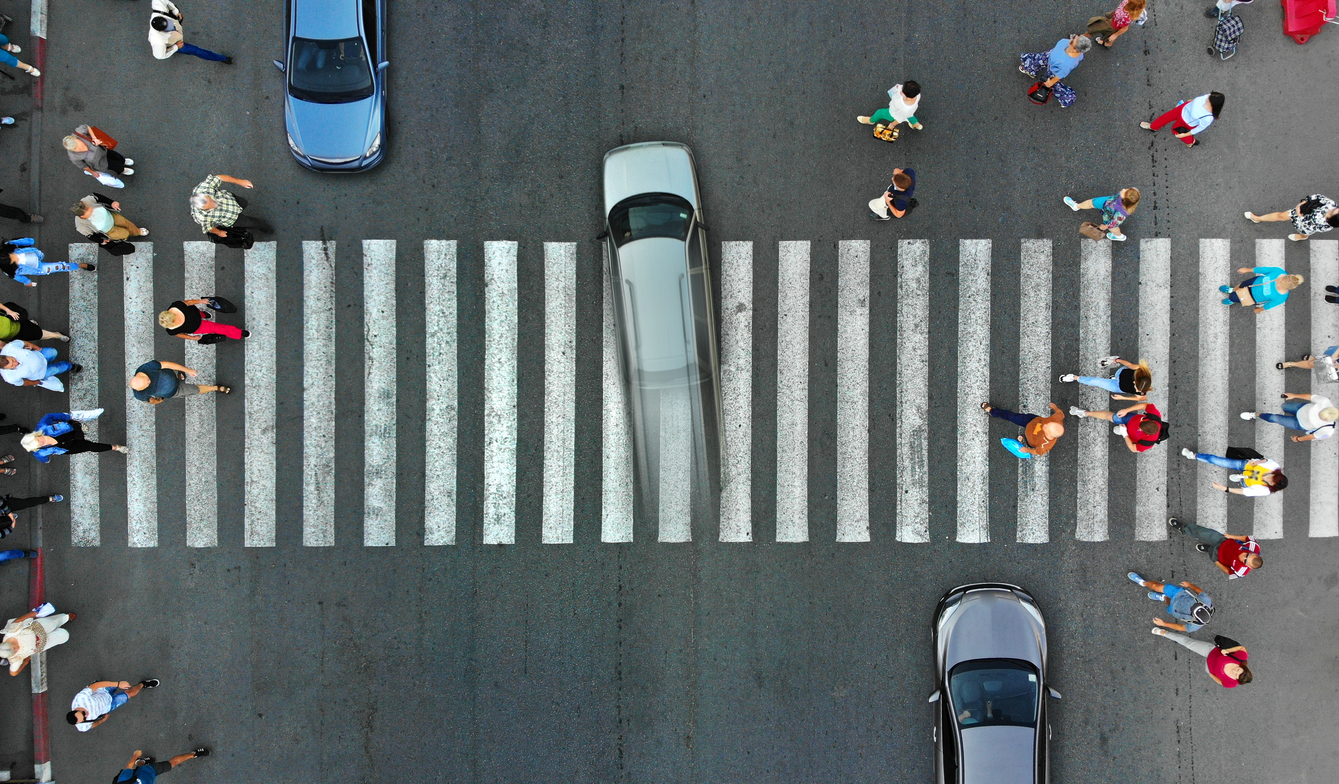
(650, 215)
(329, 71)
(994, 692)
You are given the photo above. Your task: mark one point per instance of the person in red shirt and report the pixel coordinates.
(1140, 425)
(1235, 556)
(1224, 659)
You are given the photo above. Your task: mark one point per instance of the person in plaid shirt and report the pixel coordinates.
(217, 210)
(1235, 556)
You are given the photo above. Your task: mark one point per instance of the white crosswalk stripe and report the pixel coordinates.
(796, 440)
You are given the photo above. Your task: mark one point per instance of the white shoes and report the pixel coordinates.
(1070, 203)
(1106, 362)
(1247, 415)
(1187, 454)
(1068, 378)
(1250, 216)
(127, 170)
(130, 161)
(1119, 430)
(1078, 412)
(144, 232)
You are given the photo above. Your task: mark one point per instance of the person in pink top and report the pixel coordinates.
(1224, 659)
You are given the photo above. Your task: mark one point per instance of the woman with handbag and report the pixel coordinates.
(1106, 29)
(23, 260)
(1048, 68)
(1312, 215)
(63, 434)
(7, 51)
(187, 321)
(93, 151)
(99, 218)
(1267, 287)
(1115, 209)
(1189, 118)
(1224, 659)
(1258, 476)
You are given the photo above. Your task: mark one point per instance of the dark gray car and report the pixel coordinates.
(990, 673)
(660, 282)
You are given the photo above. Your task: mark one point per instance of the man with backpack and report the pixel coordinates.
(1187, 603)
(1141, 425)
(898, 200)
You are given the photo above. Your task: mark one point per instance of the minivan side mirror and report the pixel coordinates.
(934, 697)
(604, 235)
(384, 66)
(278, 64)
(1053, 692)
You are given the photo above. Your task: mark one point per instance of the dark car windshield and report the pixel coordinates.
(994, 692)
(329, 71)
(650, 215)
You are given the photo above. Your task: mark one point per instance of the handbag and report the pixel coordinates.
(110, 180)
(210, 338)
(235, 238)
(1092, 231)
(220, 304)
(886, 132)
(119, 247)
(108, 141)
(1039, 93)
(1242, 453)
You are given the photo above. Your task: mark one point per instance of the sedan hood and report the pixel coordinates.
(331, 131)
(650, 167)
(998, 755)
(992, 625)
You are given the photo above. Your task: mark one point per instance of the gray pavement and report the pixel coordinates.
(700, 662)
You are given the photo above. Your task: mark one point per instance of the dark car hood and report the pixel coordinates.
(992, 625)
(998, 755)
(332, 130)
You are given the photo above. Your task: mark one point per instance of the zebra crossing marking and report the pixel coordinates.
(616, 456)
(380, 382)
(141, 427)
(736, 361)
(853, 391)
(1034, 384)
(202, 498)
(560, 334)
(1324, 517)
(913, 391)
(1269, 438)
(439, 437)
(792, 392)
(1155, 331)
(260, 386)
(499, 509)
(318, 394)
(973, 387)
(1215, 264)
(1091, 524)
(85, 496)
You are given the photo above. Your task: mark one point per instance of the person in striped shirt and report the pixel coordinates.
(94, 704)
(1235, 556)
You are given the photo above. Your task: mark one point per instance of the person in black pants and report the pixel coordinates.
(14, 213)
(9, 505)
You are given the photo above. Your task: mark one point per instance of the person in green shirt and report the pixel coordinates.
(15, 325)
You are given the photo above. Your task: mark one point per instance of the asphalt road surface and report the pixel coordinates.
(698, 661)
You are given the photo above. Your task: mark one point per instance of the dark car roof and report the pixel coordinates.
(326, 20)
(999, 755)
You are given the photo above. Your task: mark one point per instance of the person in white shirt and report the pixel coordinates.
(1224, 7)
(1259, 476)
(1190, 118)
(903, 101)
(1314, 415)
(166, 36)
(95, 702)
(25, 364)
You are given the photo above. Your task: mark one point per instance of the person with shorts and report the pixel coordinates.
(1312, 215)
(156, 381)
(143, 770)
(1115, 209)
(898, 200)
(1187, 603)
(1235, 556)
(95, 702)
(1140, 425)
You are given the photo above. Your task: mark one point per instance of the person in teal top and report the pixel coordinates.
(1267, 287)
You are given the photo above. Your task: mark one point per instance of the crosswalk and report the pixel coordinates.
(507, 313)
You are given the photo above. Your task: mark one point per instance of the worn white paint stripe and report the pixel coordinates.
(141, 430)
(913, 390)
(737, 391)
(85, 506)
(1034, 384)
(1215, 270)
(202, 520)
(499, 512)
(1155, 330)
(259, 374)
(439, 305)
(1269, 438)
(380, 382)
(1094, 437)
(853, 391)
(792, 393)
(318, 396)
(616, 490)
(1324, 517)
(973, 374)
(560, 302)
(675, 466)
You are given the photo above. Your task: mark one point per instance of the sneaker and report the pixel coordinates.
(1120, 430)
(1225, 289)
(1211, 12)
(1202, 547)
(127, 170)
(246, 333)
(1135, 577)
(150, 683)
(1248, 415)
(130, 161)
(1155, 596)
(144, 761)
(1187, 454)
(1174, 523)
(15, 48)
(201, 752)
(1073, 205)
(144, 232)
(35, 219)
(1116, 237)
(1078, 412)
(6, 120)
(1106, 362)
(57, 498)
(122, 448)
(1068, 378)
(1161, 632)
(1332, 289)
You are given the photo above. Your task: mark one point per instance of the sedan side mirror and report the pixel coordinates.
(934, 697)
(384, 66)
(604, 235)
(278, 64)
(1053, 692)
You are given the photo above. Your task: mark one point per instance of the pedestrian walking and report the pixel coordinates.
(1235, 556)
(1325, 366)
(903, 101)
(1187, 603)
(92, 150)
(18, 214)
(94, 704)
(1226, 664)
(26, 364)
(7, 52)
(1189, 118)
(15, 555)
(23, 262)
(11, 506)
(1106, 29)
(1314, 415)
(15, 324)
(1040, 434)
(187, 321)
(1050, 67)
(143, 770)
(156, 381)
(1141, 425)
(1267, 288)
(1259, 476)
(1312, 215)
(1130, 381)
(166, 32)
(99, 218)
(217, 210)
(1224, 7)
(63, 434)
(1115, 209)
(28, 635)
(897, 201)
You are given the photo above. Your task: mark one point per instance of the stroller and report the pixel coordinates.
(1226, 34)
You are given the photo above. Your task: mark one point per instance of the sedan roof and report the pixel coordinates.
(326, 20)
(998, 755)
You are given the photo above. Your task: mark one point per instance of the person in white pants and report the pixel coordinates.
(28, 635)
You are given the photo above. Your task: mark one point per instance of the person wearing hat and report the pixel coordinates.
(187, 321)
(1187, 602)
(216, 210)
(27, 635)
(1314, 415)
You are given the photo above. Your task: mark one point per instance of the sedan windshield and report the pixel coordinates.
(650, 215)
(329, 71)
(994, 692)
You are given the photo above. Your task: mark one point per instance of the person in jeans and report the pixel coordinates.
(1227, 666)
(15, 555)
(1258, 477)
(1040, 434)
(22, 262)
(898, 199)
(62, 434)
(903, 101)
(1267, 288)
(99, 218)
(1130, 382)
(1187, 603)
(26, 364)
(11, 506)
(1189, 118)
(1235, 556)
(1050, 67)
(187, 321)
(165, 34)
(1313, 215)
(1314, 415)
(95, 703)
(91, 153)
(156, 381)
(28, 635)
(1141, 424)
(144, 770)
(1115, 209)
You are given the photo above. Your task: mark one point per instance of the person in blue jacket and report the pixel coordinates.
(1266, 288)
(62, 434)
(22, 261)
